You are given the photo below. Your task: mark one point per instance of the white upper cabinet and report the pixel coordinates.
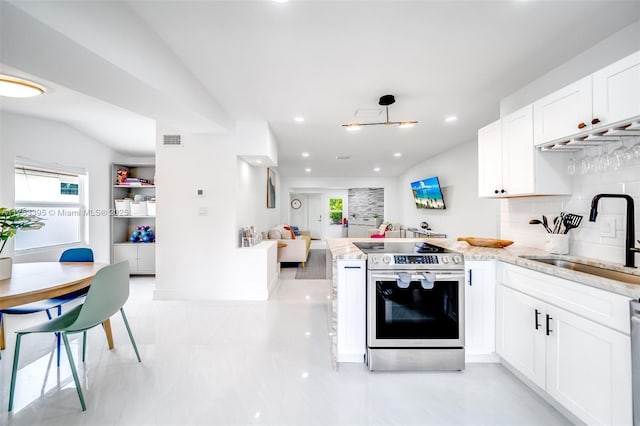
(518, 152)
(490, 160)
(616, 90)
(510, 166)
(564, 112)
(605, 98)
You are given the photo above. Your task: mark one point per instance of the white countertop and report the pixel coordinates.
(343, 248)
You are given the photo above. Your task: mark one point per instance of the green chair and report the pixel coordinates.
(108, 293)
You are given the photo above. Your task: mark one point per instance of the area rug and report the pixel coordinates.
(315, 267)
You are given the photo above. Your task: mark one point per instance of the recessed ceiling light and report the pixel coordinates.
(376, 169)
(305, 154)
(14, 87)
(308, 170)
(450, 118)
(397, 154)
(299, 119)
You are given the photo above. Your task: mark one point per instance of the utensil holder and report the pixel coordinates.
(557, 244)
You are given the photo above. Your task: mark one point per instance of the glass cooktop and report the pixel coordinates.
(400, 248)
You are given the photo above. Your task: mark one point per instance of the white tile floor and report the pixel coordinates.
(248, 363)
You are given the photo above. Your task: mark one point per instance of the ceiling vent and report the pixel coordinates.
(172, 140)
(343, 157)
(368, 112)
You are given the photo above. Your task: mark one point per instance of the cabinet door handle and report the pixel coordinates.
(496, 191)
(581, 125)
(549, 318)
(352, 267)
(536, 319)
(470, 277)
(595, 121)
(502, 191)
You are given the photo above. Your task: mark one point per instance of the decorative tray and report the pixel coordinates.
(486, 242)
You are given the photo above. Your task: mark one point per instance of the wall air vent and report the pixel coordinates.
(171, 140)
(343, 157)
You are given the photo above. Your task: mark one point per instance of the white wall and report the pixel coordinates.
(466, 214)
(197, 248)
(251, 198)
(609, 50)
(50, 142)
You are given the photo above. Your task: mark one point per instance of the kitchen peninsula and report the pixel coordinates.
(571, 309)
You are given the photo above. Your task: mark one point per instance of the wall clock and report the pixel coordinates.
(296, 204)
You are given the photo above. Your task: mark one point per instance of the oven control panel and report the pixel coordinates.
(383, 261)
(415, 260)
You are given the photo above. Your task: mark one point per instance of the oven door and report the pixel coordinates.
(415, 309)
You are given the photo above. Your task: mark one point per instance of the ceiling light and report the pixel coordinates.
(397, 154)
(384, 101)
(18, 88)
(450, 118)
(376, 169)
(299, 119)
(308, 170)
(305, 154)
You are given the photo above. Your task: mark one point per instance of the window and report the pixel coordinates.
(57, 196)
(335, 211)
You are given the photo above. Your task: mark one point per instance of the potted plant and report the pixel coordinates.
(10, 221)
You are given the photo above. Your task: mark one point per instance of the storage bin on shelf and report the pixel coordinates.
(151, 208)
(123, 207)
(138, 208)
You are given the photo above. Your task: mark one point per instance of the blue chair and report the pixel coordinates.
(107, 295)
(70, 255)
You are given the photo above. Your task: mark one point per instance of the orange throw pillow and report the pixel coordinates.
(293, 234)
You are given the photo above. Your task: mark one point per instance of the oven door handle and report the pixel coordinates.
(417, 277)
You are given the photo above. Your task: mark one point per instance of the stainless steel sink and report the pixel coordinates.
(587, 269)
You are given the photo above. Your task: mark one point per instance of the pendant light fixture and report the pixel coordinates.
(14, 87)
(384, 101)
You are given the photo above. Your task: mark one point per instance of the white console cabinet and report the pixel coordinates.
(141, 257)
(351, 310)
(480, 312)
(570, 340)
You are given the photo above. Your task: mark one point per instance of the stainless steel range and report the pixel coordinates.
(415, 306)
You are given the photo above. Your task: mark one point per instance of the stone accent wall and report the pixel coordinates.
(366, 202)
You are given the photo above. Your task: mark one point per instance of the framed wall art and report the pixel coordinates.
(271, 189)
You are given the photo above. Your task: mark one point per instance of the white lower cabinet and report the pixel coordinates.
(479, 308)
(588, 369)
(520, 335)
(351, 310)
(141, 257)
(582, 364)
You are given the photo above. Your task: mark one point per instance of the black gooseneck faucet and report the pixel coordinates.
(629, 249)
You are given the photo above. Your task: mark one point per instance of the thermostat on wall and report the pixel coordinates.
(200, 193)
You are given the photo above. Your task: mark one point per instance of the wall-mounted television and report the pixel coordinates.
(427, 193)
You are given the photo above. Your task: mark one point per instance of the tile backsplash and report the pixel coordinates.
(603, 239)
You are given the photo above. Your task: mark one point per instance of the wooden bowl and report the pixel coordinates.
(486, 242)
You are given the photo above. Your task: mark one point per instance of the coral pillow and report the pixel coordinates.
(293, 235)
(377, 236)
(383, 228)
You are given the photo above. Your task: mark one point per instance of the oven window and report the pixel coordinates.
(415, 312)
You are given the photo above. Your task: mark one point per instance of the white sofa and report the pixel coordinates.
(289, 249)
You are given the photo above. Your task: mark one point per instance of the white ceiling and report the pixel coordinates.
(268, 61)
